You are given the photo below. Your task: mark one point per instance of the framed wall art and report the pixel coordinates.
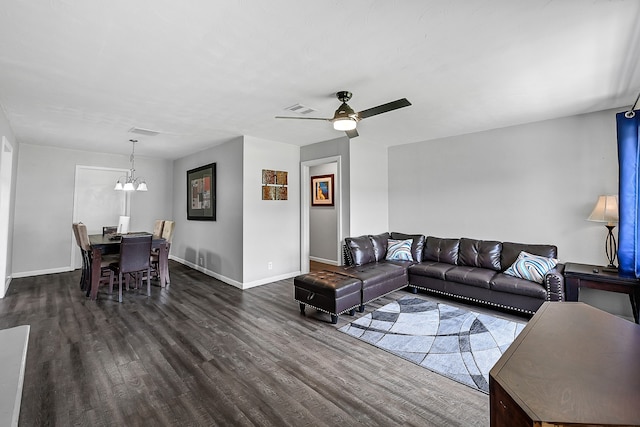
(322, 190)
(201, 193)
(274, 185)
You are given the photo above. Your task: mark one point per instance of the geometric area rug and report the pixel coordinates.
(456, 343)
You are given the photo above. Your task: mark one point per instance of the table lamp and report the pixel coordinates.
(606, 210)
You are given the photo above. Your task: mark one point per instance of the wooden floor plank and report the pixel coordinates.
(205, 353)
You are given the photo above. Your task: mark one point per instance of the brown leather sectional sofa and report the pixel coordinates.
(466, 269)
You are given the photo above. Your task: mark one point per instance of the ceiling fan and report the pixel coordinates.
(346, 119)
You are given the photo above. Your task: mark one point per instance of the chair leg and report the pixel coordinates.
(148, 282)
(120, 287)
(111, 276)
(83, 277)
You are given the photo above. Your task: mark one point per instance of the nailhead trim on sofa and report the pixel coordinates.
(456, 296)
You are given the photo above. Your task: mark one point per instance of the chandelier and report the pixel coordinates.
(130, 182)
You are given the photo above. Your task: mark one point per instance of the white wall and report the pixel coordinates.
(534, 183)
(323, 221)
(44, 203)
(369, 188)
(271, 228)
(217, 243)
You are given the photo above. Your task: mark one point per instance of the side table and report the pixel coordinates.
(593, 276)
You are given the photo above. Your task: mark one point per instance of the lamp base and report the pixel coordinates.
(611, 250)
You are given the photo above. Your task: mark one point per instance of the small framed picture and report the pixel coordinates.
(322, 190)
(201, 193)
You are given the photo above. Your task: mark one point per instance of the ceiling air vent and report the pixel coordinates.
(141, 131)
(300, 109)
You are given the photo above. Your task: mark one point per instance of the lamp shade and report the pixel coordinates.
(606, 210)
(345, 124)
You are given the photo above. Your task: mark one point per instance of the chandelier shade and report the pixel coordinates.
(130, 182)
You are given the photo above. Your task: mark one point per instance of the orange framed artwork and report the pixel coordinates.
(322, 190)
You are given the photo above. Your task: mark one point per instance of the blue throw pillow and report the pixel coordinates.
(399, 250)
(531, 267)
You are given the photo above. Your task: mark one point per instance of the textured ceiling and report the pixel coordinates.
(80, 74)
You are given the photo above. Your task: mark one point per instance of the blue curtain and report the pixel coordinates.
(628, 198)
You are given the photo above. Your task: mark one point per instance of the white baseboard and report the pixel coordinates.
(208, 272)
(324, 261)
(204, 270)
(267, 280)
(234, 283)
(41, 272)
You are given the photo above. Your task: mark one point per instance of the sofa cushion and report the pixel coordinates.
(361, 249)
(480, 253)
(510, 252)
(441, 250)
(417, 247)
(472, 276)
(514, 285)
(531, 267)
(371, 274)
(379, 242)
(399, 250)
(432, 269)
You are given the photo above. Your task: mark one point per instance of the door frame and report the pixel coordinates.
(305, 199)
(6, 195)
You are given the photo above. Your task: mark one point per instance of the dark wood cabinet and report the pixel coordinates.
(572, 365)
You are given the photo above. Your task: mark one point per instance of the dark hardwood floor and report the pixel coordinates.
(203, 353)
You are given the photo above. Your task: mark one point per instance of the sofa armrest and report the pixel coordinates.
(346, 256)
(554, 281)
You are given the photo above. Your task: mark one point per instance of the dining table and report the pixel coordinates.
(104, 244)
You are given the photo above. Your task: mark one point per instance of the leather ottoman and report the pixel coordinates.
(328, 291)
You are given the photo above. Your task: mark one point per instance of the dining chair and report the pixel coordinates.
(85, 262)
(167, 235)
(134, 262)
(157, 228)
(167, 231)
(85, 246)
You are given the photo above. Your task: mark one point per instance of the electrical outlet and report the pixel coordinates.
(201, 261)
(270, 265)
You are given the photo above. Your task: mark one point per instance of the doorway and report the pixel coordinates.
(6, 184)
(305, 240)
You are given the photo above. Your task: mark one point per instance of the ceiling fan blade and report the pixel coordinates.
(390, 106)
(351, 133)
(303, 118)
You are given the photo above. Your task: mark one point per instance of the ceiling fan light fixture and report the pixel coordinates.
(345, 119)
(344, 124)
